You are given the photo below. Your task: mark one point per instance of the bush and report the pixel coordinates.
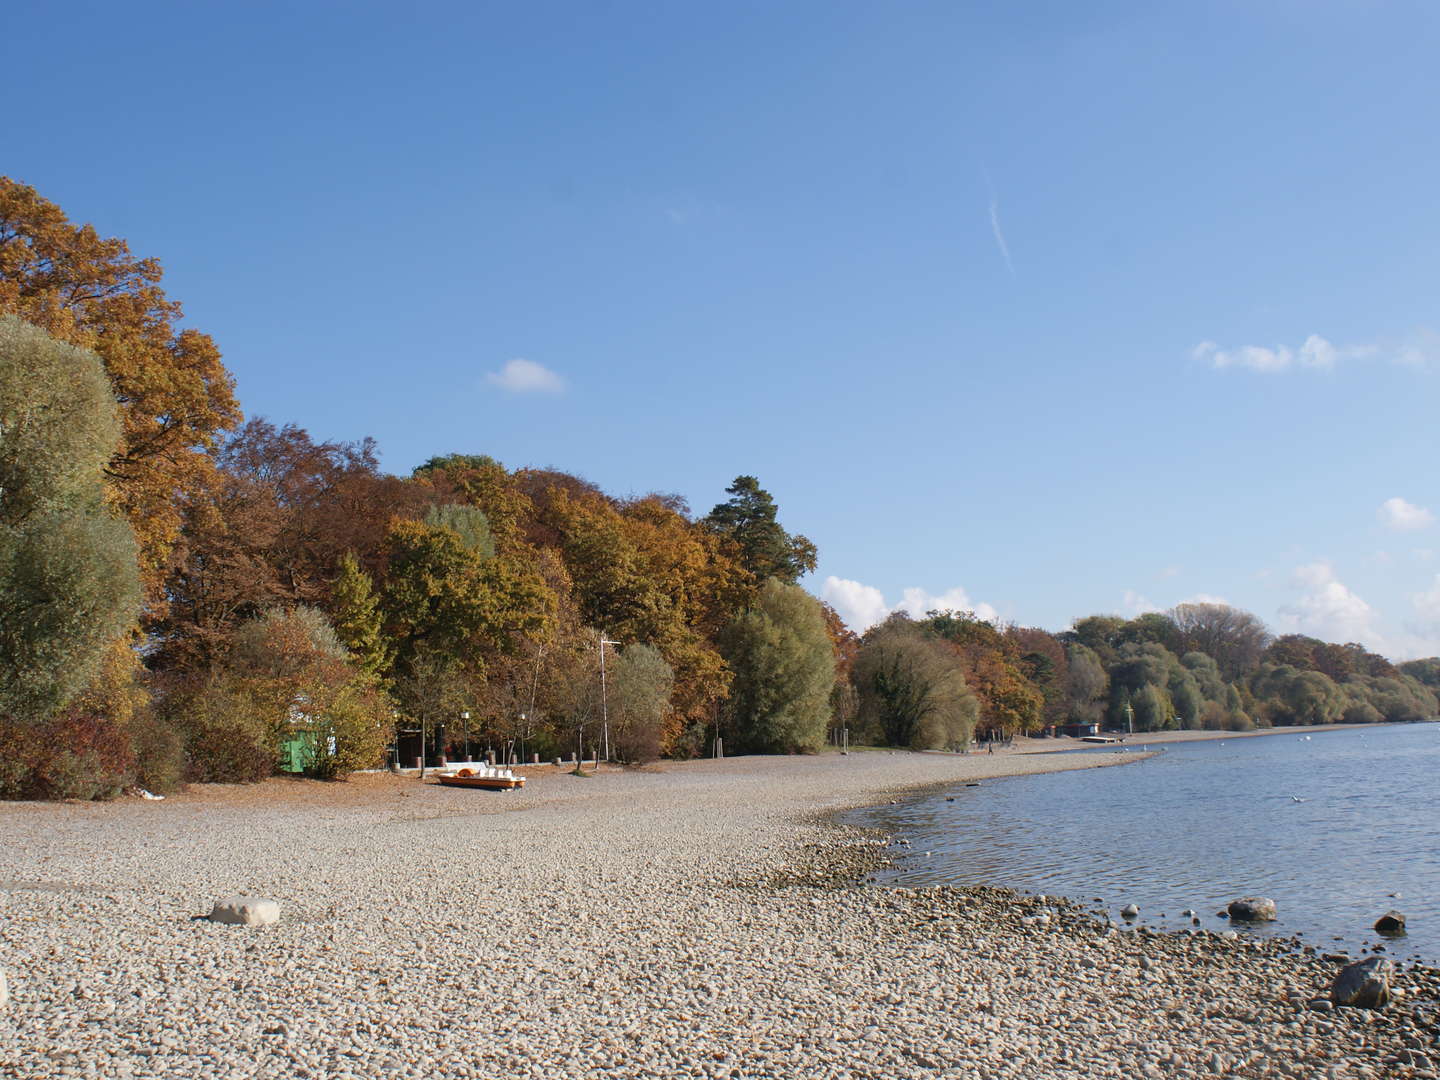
(226, 741)
(78, 755)
(351, 732)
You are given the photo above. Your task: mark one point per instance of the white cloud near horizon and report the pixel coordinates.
(1404, 516)
(862, 606)
(1328, 609)
(520, 376)
(1428, 603)
(1317, 354)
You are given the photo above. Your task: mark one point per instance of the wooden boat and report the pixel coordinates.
(473, 779)
(1098, 739)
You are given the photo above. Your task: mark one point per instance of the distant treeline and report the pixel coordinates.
(185, 595)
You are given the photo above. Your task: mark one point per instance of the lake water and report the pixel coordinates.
(1203, 823)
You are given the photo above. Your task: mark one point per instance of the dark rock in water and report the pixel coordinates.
(1252, 909)
(1392, 922)
(1222, 914)
(1364, 984)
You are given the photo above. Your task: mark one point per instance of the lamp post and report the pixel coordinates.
(604, 705)
(465, 716)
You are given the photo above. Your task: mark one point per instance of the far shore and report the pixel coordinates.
(689, 919)
(1132, 740)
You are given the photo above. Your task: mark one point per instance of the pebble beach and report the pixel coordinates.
(704, 919)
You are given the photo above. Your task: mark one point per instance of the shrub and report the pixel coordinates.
(351, 732)
(78, 755)
(226, 740)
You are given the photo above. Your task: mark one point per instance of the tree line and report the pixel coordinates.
(187, 595)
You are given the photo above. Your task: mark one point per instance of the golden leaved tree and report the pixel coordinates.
(174, 393)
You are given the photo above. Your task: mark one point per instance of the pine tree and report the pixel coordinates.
(357, 615)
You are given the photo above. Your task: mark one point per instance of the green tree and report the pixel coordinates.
(642, 685)
(69, 585)
(358, 618)
(784, 667)
(1287, 695)
(469, 524)
(912, 689)
(749, 519)
(1085, 683)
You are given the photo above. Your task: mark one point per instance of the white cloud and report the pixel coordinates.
(917, 602)
(862, 606)
(1428, 603)
(1402, 516)
(521, 376)
(1316, 353)
(1135, 604)
(1204, 598)
(1328, 609)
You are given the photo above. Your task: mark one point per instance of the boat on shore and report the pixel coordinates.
(487, 777)
(1100, 739)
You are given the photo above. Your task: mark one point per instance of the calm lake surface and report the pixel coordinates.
(1203, 823)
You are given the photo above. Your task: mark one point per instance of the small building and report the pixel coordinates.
(1078, 729)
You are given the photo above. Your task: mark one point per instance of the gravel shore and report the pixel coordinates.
(697, 919)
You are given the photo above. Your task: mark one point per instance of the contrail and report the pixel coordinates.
(999, 234)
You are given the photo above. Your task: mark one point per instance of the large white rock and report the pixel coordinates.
(4, 990)
(246, 911)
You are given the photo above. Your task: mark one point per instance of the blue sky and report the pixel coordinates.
(1041, 308)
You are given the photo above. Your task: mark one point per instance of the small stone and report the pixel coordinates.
(1129, 911)
(245, 911)
(4, 990)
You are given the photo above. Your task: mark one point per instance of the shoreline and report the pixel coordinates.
(695, 920)
(1027, 745)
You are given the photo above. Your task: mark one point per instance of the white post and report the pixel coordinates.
(604, 703)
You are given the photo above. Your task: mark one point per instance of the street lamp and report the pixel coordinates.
(465, 716)
(604, 705)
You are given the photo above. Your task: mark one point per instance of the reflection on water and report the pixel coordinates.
(1329, 827)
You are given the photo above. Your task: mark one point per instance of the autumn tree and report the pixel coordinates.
(1235, 639)
(480, 481)
(749, 519)
(68, 583)
(647, 575)
(1009, 703)
(1044, 662)
(285, 676)
(448, 608)
(784, 669)
(174, 394)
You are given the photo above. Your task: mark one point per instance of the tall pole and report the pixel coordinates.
(525, 716)
(604, 704)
